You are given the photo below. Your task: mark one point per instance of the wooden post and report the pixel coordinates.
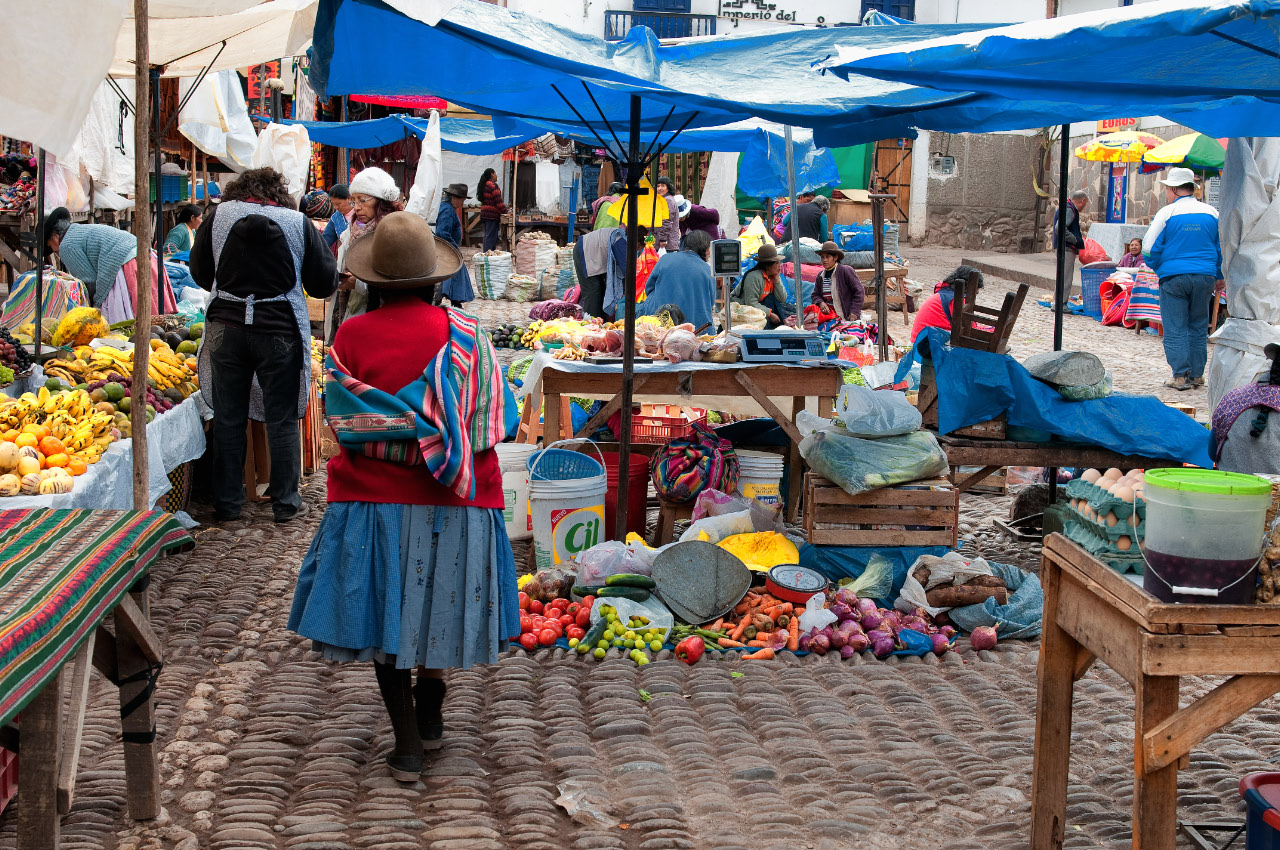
(142, 228)
(1155, 791)
(1058, 651)
(38, 822)
(141, 767)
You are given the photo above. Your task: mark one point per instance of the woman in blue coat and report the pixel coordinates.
(449, 227)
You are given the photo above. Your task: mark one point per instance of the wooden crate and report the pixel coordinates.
(927, 404)
(921, 513)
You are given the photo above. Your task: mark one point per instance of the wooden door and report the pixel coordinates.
(891, 174)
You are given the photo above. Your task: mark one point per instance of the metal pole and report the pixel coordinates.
(1063, 285)
(882, 294)
(143, 76)
(159, 161)
(40, 249)
(634, 173)
(795, 231)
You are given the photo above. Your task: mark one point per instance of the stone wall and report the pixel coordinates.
(987, 202)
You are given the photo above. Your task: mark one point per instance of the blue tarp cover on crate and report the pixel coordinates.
(975, 386)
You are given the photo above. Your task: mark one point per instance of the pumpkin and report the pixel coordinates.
(10, 485)
(79, 327)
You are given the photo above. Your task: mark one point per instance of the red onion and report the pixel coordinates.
(804, 642)
(858, 642)
(983, 637)
(882, 647)
(846, 652)
(850, 627)
(916, 625)
(845, 596)
(842, 611)
(892, 621)
(940, 644)
(872, 619)
(838, 639)
(827, 632)
(949, 631)
(866, 606)
(820, 644)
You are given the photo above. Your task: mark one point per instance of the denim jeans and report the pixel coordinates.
(236, 354)
(491, 229)
(1185, 300)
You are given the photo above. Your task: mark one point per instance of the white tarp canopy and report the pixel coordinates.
(1250, 263)
(44, 100)
(186, 45)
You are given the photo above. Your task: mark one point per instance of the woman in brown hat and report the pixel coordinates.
(838, 285)
(411, 566)
(761, 287)
(449, 227)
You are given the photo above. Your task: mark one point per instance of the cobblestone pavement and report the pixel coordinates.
(266, 746)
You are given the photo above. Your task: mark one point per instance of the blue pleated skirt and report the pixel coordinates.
(410, 585)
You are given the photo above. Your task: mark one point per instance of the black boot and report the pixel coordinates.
(405, 761)
(428, 696)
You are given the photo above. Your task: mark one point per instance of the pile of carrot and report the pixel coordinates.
(760, 620)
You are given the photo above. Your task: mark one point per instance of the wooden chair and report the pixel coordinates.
(966, 311)
(530, 430)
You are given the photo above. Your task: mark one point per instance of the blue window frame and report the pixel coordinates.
(905, 9)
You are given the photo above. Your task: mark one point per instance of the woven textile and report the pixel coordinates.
(61, 572)
(1144, 300)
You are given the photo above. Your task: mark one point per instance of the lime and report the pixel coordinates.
(602, 644)
(573, 642)
(599, 653)
(654, 645)
(629, 644)
(630, 635)
(583, 648)
(617, 641)
(609, 635)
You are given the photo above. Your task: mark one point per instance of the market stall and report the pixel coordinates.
(77, 569)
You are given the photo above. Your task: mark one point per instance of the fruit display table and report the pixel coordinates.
(63, 574)
(748, 388)
(1092, 613)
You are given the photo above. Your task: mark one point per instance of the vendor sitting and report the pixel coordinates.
(1245, 439)
(838, 287)
(761, 288)
(104, 258)
(935, 312)
(683, 279)
(1133, 258)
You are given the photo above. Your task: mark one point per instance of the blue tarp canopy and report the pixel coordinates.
(463, 135)
(1211, 65)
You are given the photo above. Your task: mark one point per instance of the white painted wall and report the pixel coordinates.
(978, 11)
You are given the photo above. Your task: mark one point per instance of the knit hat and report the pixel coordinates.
(315, 204)
(375, 183)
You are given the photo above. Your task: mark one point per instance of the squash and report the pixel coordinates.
(79, 327)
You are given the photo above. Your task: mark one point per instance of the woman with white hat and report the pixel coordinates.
(411, 566)
(373, 195)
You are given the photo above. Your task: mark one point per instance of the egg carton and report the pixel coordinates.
(1102, 547)
(1122, 528)
(1103, 502)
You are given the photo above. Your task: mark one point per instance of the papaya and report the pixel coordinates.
(79, 327)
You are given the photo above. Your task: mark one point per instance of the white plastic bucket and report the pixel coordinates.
(760, 476)
(512, 460)
(567, 515)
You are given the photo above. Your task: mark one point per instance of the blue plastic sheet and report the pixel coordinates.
(856, 237)
(974, 386)
(762, 170)
(837, 562)
(461, 135)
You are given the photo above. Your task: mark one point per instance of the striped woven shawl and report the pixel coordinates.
(460, 406)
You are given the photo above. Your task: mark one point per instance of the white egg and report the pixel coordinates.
(1113, 473)
(1134, 473)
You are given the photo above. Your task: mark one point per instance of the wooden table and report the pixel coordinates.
(64, 575)
(895, 278)
(1092, 613)
(762, 383)
(992, 455)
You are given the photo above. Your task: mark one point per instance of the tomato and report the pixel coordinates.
(565, 620)
(554, 625)
(561, 603)
(583, 618)
(588, 601)
(524, 600)
(575, 632)
(535, 606)
(546, 637)
(553, 613)
(529, 641)
(526, 624)
(573, 608)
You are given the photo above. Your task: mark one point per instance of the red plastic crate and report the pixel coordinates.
(8, 776)
(661, 423)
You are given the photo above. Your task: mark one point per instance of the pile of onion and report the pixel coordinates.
(861, 624)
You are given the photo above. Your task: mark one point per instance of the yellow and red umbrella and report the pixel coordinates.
(1202, 154)
(1127, 146)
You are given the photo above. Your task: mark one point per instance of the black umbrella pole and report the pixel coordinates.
(1063, 285)
(634, 172)
(40, 249)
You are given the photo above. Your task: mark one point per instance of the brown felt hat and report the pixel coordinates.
(403, 253)
(830, 247)
(766, 255)
(458, 190)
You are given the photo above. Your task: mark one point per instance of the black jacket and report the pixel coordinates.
(808, 220)
(1075, 239)
(256, 261)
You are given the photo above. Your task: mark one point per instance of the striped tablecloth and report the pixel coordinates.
(61, 572)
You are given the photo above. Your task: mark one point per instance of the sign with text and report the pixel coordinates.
(1112, 125)
(809, 12)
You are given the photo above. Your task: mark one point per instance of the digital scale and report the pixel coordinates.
(780, 345)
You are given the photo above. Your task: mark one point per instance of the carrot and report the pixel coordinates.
(756, 642)
(743, 607)
(777, 611)
(793, 634)
(717, 625)
(736, 634)
(760, 621)
(759, 655)
(728, 643)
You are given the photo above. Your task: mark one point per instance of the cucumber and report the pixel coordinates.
(630, 580)
(635, 594)
(580, 590)
(592, 636)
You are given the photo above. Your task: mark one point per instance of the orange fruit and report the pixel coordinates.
(40, 431)
(76, 465)
(59, 459)
(26, 438)
(52, 446)
(10, 436)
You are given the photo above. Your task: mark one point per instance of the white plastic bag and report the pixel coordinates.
(720, 527)
(816, 615)
(950, 569)
(875, 413)
(610, 558)
(287, 149)
(660, 617)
